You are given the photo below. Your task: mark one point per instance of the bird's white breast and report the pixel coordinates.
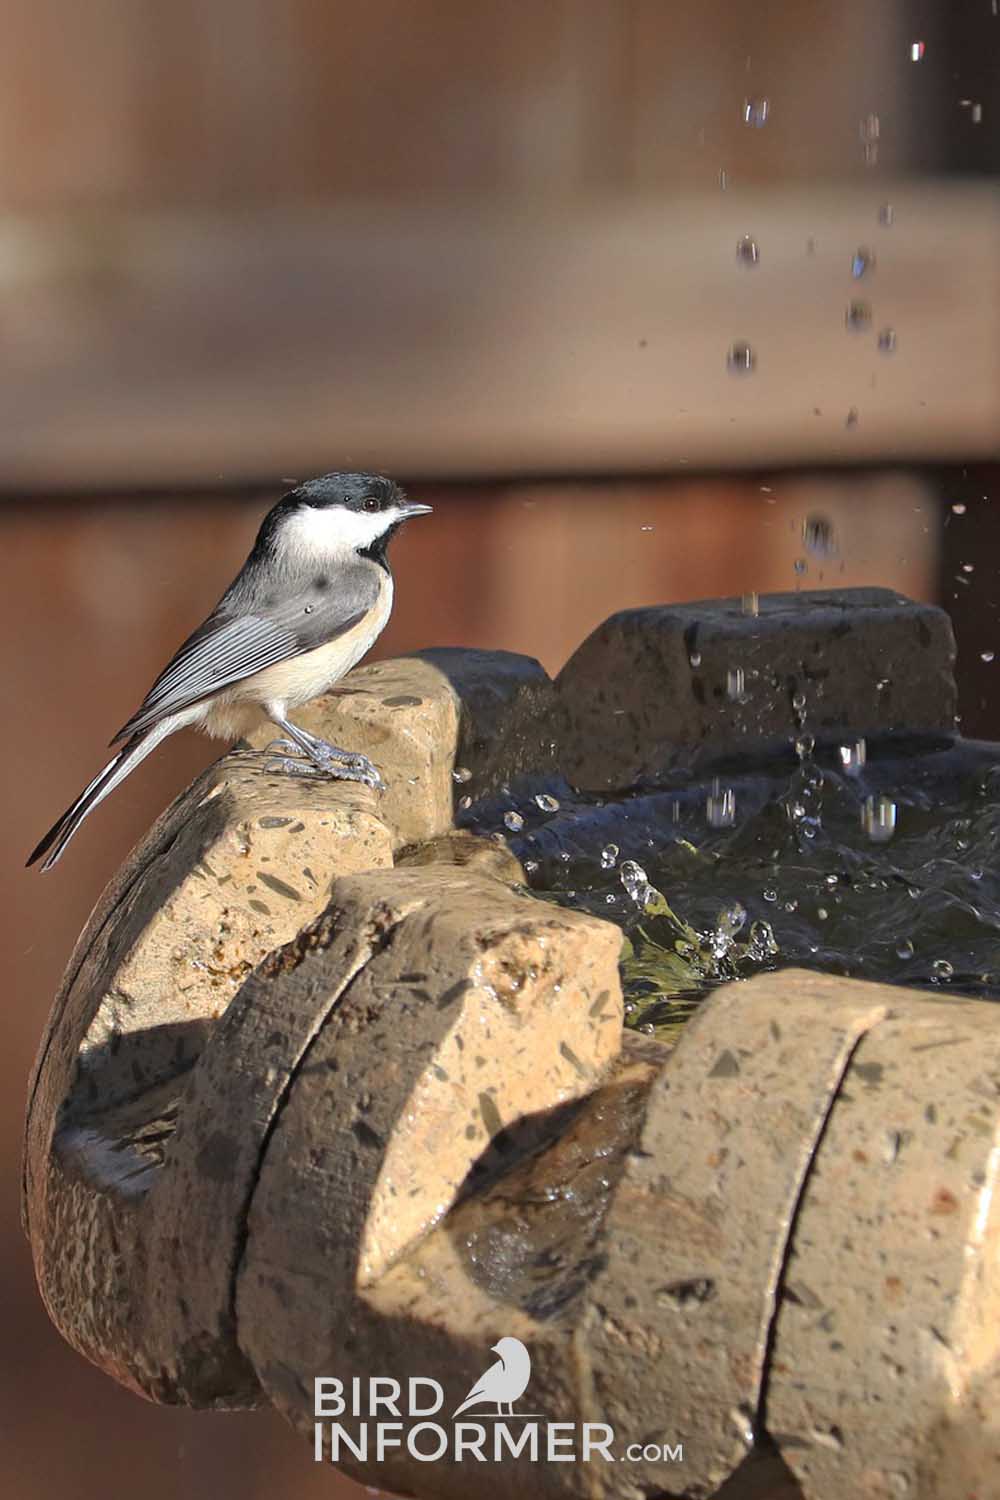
(305, 677)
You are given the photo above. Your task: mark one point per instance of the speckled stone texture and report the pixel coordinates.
(301, 1112)
(485, 714)
(678, 685)
(237, 865)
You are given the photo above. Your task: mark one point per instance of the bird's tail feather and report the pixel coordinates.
(128, 757)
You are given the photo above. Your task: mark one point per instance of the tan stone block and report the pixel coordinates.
(419, 718)
(654, 689)
(888, 1332)
(481, 1009)
(237, 865)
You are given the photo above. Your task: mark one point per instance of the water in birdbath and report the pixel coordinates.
(876, 860)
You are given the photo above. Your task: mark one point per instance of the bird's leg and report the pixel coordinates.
(327, 759)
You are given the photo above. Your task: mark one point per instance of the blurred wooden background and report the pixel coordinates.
(253, 238)
(257, 236)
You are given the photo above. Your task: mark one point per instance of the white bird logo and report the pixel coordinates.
(504, 1381)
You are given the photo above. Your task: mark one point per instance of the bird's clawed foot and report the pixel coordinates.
(315, 757)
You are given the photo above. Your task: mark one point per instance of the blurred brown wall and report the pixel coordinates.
(250, 102)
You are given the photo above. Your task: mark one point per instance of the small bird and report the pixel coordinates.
(313, 596)
(505, 1381)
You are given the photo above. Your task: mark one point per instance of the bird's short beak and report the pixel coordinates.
(494, 1348)
(412, 509)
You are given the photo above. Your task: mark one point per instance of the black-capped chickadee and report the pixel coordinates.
(313, 596)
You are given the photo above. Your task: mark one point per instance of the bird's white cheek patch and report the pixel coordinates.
(325, 532)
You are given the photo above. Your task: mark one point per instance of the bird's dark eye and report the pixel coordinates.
(373, 503)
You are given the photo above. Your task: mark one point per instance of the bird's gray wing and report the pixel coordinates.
(232, 644)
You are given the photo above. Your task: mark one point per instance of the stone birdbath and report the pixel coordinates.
(329, 1093)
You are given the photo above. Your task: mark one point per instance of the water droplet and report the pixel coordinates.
(942, 968)
(609, 856)
(761, 941)
(514, 821)
(741, 359)
(798, 701)
(633, 878)
(862, 262)
(732, 918)
(887, 341)
(723, 179)
(464, 803)
(852, 418)
(800, 565)
(959, 508)
(904, 949)
(736, 685)
(986, 656)
(858, 316)
(804, 746)
(968, 567)
(916, 52)
(817, 535)
(853, 756)
(747, 251)
(547, 803)
(695, 658)
(886, 215)
(308, 609)
(720, 807)
(878, 819)
(531, 865)
(769, 894)
(751, 604)
(755, 112)
(462, 774)
(822, 913)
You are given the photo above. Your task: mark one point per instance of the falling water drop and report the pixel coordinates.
(887, 341)
(858, 317)
(747, 251)
(886, 215)
(862, 262)
(720, 807)
(609, 856)
(546, 802)
(514, 821)
(853, 756)
(986, 655)
(817, 535)
(741, 359)
(755, 112)
(736, 685)
(878, 819)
